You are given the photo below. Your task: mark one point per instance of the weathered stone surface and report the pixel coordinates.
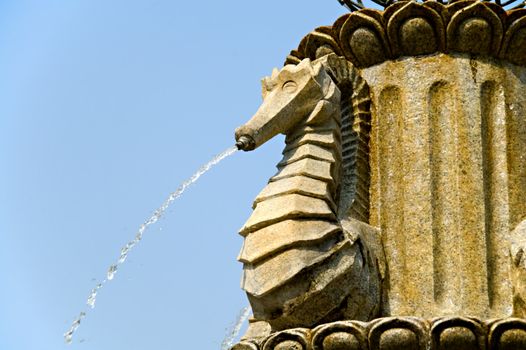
(518, 269)
(342, 335)
(294, 339)
(401, 333)
(507, 334)
(309, 151)
(442, 188)
(301, 189)
(372, 239)
(458, 333)
(341, 341)
(458, 338)
(394, 339)
(317, 169)
(289, 345)
(407, 28)
(322, 138)
(261, 278)
(284, 234)
(245, 345)
(513, 339)
(291, 206)
(297, 272)
(415, 30)
(363, 39)
(343, 284)
(303, 185)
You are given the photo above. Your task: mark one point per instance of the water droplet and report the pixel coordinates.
(68, 336)
(93, 296)
(111, 272)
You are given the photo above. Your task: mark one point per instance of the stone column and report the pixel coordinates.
(448, 179)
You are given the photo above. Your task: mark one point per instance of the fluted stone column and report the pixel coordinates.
(448, 176)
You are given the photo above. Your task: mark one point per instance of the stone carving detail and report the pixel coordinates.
(514, 42)
(409, 333)
(365, 38)
(340, 335)
(406, 28)
(447, 173)
(305, 258)
(401, 188)
(463, 333)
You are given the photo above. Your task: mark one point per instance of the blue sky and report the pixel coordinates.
(105, 108)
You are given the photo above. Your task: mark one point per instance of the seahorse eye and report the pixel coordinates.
(290, 86)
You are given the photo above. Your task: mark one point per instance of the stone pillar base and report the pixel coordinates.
(400, 333)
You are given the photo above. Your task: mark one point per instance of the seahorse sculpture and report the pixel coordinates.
(307, 256)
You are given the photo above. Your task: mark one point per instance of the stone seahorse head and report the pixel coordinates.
(289, 96)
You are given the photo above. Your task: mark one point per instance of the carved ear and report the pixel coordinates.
(266, 86)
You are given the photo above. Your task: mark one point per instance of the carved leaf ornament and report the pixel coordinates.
(356, 5)
(368, 37)
(401, 333)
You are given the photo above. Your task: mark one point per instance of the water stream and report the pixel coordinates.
(112, 270)
(233, 332)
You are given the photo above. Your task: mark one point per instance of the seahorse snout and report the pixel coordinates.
(245, 143)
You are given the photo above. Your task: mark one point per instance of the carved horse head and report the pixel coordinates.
(289, 96)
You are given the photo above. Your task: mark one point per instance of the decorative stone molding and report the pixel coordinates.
(406, 28)
(356, 5)
(404, 333)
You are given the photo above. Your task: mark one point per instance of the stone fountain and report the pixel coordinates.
(397, 217)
